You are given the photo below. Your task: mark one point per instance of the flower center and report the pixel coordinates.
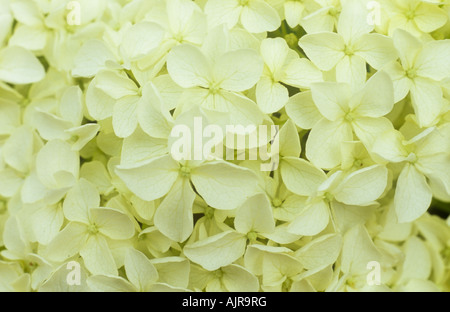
(214, 88)
(349, 50)
(328, 197)
(276, 202)
(185, 171)
(358, 163)
(412, 158)
(333, 12)
(349, 117)
(93, 229)
(410, 14)
(209, 212)
(411, 73)
(243, 2)
(252, 236)
(218, 273)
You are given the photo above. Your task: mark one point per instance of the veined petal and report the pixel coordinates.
(378, 50)
(188, 67)
(224, 185)
(312, 220)
(324, 143)
(68, 242)
(432, 61)
(258, 16)
(173, 217)
(324, 49)
(238, 70)
(293, 10)
(352, 22)
(20, 66)
(97, 256)
(152, 179)
(140, 271)
(302, 110)
(217, 251)
(427, 100)
(301, 73)
(223, 11)
(331, 98)
(300, 176)
(368, 129)
(352, 70)
(429, 17)
(362, 187)
(82, 197)
(412, 195)
(271, 96)
(402, 84)
(373, 102)
(274, 52)
(112, 223)
(255, 215)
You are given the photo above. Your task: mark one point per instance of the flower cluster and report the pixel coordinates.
(93, 94)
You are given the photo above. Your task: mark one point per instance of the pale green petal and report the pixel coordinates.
(255, 215)
(258, 17)
(324, 143)
(97, 256)
(57, 166)
(373, 102)
(152, 179)
(173, 217)
(300, 176)
(224, 185)
(417, 264)
(140, 39)
(302, 110)
(140, 147)
(125, 116)
(238, 70)
(353, 21)
(412, 195)
(217, 251)
(325, 50)
(312, 220)
(358, 250)
(289, 140)
(368, 129)
(274, 52)
(332, 99)
(363, 186)
(91, 58)
(68, 242)
(20, 66)
(320, 252)
(112, 223)
(140, 271)
(431, 61)
(301, 73)
(352, 70)
(378, 50)
(427, 100)
(82, 197)
(18, 149)
(9, 116)
(223, 12)
(188, 67)
(174, 271)
(271, 96)
(153, 117)
(238, 279)
(103, 283)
